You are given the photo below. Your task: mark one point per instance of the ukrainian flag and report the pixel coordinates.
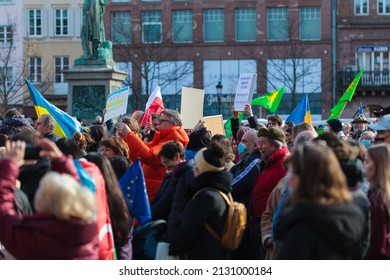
(301, 113)
(65, 126)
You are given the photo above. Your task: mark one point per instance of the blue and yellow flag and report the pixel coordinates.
(301, 113)
(270, 100)
(65, 124)
(134, 191)
(361, 111)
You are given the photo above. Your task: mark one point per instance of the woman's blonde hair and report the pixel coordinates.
(132, 124)
(322, 180)
(302, 127)
(380, 155)
(62, 196)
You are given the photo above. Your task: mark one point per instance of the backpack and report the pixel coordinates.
(235, 223)
(145, 239)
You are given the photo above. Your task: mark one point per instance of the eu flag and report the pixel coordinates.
(133, 188)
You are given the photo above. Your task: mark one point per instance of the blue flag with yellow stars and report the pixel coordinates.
(133, 188)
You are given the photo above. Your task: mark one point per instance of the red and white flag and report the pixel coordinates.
(154, 105)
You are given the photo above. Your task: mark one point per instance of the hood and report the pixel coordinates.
(39, 169)
(341, 225)
(220, 180)
(184, 167)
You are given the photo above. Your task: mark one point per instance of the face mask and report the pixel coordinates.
(366, 143)
(241, 148)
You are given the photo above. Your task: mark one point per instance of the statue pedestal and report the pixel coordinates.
(88, 87)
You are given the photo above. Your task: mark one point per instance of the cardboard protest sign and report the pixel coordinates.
(244, 92)
(214, 124)
(191, 106)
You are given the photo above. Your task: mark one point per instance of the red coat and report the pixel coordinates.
(154, 171)
(267, 180)
(103, 223)
(41, 236)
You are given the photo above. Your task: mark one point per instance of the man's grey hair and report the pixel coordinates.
(48, 120)
(252, 135)
(173, 116)
(277, 143)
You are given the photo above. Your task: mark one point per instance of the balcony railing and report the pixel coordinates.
(368, 79)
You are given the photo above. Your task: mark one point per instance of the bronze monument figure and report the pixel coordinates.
(92, 32)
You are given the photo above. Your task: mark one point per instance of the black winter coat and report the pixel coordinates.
(161, 203)
(244, 174)
(317, 232)
(184, 181)
(192, 240)
(30, 176)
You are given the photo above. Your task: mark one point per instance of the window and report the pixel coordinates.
(151, 27)
(373, 59)
(213, 24)
(121, 27)
(171, 76)
(383, 7)
(60, 63)
(182, 26)
(226, 71)
(35, 23)
(61, 22)
(127, 68)
(35, 69)
(361, 7)
(307, 73)
(245, 25)
(310, 23)
(6, 76)
(277, 22)
(5, 35)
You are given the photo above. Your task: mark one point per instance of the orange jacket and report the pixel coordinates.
(154, 171)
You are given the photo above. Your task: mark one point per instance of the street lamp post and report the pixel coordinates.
(219, 93)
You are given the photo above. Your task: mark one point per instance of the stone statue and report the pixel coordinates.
(92, 30)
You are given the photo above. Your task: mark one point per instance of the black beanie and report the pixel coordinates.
(335, 125)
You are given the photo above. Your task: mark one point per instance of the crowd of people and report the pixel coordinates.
(311, 192)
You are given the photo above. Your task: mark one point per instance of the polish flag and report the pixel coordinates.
(154, 105)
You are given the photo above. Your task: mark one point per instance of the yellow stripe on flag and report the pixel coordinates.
(57, 128)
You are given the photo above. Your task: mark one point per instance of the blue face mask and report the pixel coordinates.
(366, 143)
(241, 148)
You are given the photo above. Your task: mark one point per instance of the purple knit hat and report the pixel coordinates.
(10, 124)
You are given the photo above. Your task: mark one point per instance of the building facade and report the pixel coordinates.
(201, 43)
(11, 55)
(363, 32)
(51, 32)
